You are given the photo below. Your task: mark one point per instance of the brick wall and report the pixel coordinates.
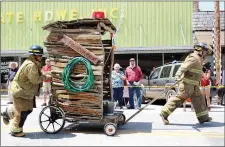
(203, 20)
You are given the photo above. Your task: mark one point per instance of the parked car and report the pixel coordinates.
(159, 80)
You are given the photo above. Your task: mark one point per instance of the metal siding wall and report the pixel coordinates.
(160, 22)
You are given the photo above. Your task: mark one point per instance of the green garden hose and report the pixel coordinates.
(72, 86)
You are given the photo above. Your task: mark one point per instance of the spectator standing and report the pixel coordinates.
(12, 72)
(46, 83)
(205, 83)
(133, 76)
(118, 84)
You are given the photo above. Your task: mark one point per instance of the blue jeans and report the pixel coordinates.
(131, 95)
(118, 95)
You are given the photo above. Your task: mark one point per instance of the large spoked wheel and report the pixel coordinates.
(110, 129)
(122, 119)
(52, 119)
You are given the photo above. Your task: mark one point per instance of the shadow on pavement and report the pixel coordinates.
(129, 128)
(43, 135)
(208, 124)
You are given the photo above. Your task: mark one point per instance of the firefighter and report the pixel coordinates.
(188, 78)
(25, 86)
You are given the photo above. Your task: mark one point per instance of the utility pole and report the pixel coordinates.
(196, 5)
(217, 40)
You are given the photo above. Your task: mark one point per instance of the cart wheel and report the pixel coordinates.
(122, 119)
(110, 129)
(52, 115)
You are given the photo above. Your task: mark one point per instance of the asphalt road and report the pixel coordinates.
(144, 129)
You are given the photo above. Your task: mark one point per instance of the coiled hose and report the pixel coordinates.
(72, 86)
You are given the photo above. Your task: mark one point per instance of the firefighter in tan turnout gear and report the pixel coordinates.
(188, 78)
(25, 86)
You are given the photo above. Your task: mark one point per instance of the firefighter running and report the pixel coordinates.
(25, 86)
(188, 78)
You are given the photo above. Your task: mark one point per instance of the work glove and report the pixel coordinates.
(178, 78)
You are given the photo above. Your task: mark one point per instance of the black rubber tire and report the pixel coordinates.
(169, 93)
(143, 100)
(223, 100)
(109, 126)
(122, 119)
(62, 117)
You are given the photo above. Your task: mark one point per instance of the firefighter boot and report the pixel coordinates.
(18, 134)
(6, 117)
(207, 120)
(164, 119)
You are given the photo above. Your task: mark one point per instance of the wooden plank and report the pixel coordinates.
(90, 103)
(94, 31)
(55, 37)
(71, 51)
(79, 96)
(96, 83)
(66, 59)
(63, 65)
(58, 86)
(83, 43)
(78, 110)
(60, 70)
(80, 49)
(94, 87)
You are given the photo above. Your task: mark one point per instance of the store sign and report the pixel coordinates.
(48, 15)
(80, 49)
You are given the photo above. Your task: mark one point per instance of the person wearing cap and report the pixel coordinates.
(12, 72)
(188, 78)
(25, 86)
(134, 75)
(118, 84)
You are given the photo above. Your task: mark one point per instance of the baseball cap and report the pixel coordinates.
(132, 59)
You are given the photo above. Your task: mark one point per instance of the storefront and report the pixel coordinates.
(167, 24)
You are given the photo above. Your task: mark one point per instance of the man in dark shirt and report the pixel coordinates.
(134, 75)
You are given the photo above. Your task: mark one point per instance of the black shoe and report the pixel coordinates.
(164, 119)
(5, 117)
(130, 108)
(17, 134)
(208, 120)
(10, 103)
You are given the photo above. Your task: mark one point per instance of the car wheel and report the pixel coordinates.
(169, 94)
(143, 100)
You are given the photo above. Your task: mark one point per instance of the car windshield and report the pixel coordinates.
(155, 74)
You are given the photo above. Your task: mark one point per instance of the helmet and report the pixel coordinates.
(36, 50)
(174, 62)
(203, 46)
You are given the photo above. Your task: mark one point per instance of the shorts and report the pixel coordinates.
(205, 88)
(47, 86)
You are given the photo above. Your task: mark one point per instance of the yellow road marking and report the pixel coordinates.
(134, 132)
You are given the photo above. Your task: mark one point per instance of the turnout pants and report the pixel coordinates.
(19, 112)
(185, 91)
